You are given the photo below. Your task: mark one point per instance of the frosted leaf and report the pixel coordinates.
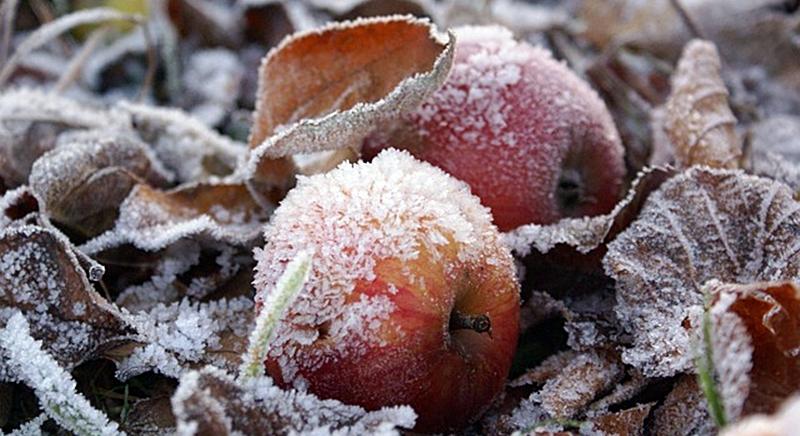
(699, 121)
(54, 387)
(183, 143)
(774, 149)
(756, 339)
(549, 368)
(700, 225)
(30, 122)
(209, 401)
(151, 219)
(173, 337)
(623, 391)
(783, 423)
(683, 411)
(41, 276)
(152, 416)
(327, 90)
(587, 233)
(622, 423)
(84, 179)
(579, 382)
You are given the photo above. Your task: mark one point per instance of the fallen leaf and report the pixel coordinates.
(700, 225)
(329, 88)
(683, 411)
(41, 276)
(212, 403)
(757, 367)
(623, 423)
(699, 121)
(151, 219)
(84, 179)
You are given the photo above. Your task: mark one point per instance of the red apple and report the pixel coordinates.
(531, 139)
(412, 298)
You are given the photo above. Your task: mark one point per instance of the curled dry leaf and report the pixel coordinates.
(699, 121)
(40, 276)
(757, 368)
(210, 402)
(83, 180)
(700, 225)
(327, 89)
(151, 219)
(30, 122)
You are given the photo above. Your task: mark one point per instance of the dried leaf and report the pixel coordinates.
(755, 356)
(85, 178)
(623, 423)
(683, 411)
(30, 122)
(151, 219)
(700, 225)
(210, 402)
(40, 276)
(328, 88)
(699, 121)
(579, 382)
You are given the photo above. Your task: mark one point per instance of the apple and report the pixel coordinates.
(530, 138)
(412, 298)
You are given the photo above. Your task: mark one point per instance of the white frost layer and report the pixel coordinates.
(54, 387)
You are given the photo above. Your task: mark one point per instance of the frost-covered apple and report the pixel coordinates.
(412, 298)
(531, 139)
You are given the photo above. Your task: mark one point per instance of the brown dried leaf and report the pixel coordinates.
(212, 403)
(580, 382)
(623, 423)
(683, 411)
(699, 121)
(700, 225)
(85, 178)
(150, 416)
(213, 211)
(328, 88)
(30, 122)
(757, 368)
(40, 275)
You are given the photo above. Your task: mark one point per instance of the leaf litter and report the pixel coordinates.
(126, 227)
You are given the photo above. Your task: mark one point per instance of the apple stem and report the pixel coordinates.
(478, 323)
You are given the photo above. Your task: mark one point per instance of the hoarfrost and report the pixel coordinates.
(703, 224)
(211, 400)
(54, 387)
(183, 143)
(152, 220)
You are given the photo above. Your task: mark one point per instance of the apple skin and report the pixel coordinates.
(530, 138)
(413, 353)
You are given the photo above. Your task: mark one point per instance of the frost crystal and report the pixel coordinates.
(210, 400)
(703, 224)
(54, 387)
